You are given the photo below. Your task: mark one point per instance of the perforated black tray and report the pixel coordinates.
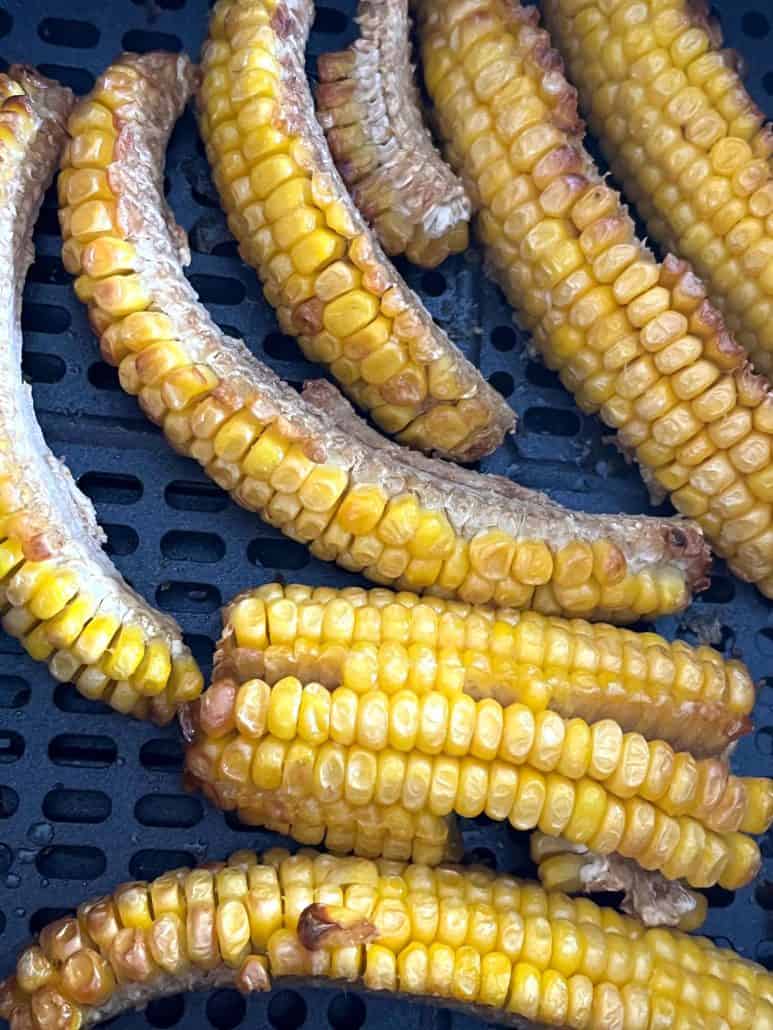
(89, 798)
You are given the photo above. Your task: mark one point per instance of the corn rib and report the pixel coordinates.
(440, 754)
(59, 593)
(322, 267)
(376, 639)
(503, 948)
(647, 895)
(634, 340)
(685, 139)
(370, 109)
(308, 465)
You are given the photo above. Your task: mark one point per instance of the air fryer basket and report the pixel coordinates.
(89, 798)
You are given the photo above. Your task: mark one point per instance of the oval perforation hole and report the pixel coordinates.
(329, 20)
(433, 283)
(42, 368)
(110, 487)
(720, 590)
(210, 235)
(176, 596)
(226, 1009)
(767, 83)
(142, 41)
(150, 863)
(504, 337)
(233, 822)
(552, 422)
(78, 79)
(69, 32)
(281, 347)
(104, 376)
(191, 496)
(166, 1012)
(162, 755)
(48, 270)
(11, 746)
(71, 862)
(346, 1012)
(9, 801)
(173, 810)
(121, 540)
(165, 5)
(502, 382)
(202, 648)
(278, 554)
(6, 22)
(44, 318)
(287, 1010)
(185, 545)
(538, 375)
(15, 692)
(718, 897)
(88, 750)
(218, 289)
(67, 699)
(755, 24)
(43, 916)
(76, 806)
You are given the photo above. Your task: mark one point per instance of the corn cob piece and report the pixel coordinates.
(634, 340)
(370, 109)
(446, 755)
(376, 639)
(59, 593)
(321, 266)
(519, 955)
(308, 465)
(574, 869)
(685, 139)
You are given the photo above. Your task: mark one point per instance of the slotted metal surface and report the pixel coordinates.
(89, 798)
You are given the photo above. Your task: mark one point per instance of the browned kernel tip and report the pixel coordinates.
(332, 926)
(61, 939)
(87, 978)
(215, 709)
(130, 956)
(253, 976)
(686, 543)
(52, 1011)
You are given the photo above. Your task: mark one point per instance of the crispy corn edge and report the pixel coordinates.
(322, 268)
(370, 109)
(518, 954)
(59, 593)
(438, 754)
(575, 869)
(308, 465)
(689, 145)
(693, 698)
(634, 340)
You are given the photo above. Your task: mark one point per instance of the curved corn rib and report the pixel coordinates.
(647, 894)
(520, 955)
(376, 639)
(322, 267)
(59, 593)
(309, 466)
(685, 139)
(634, 340)
(370, 109)
(445, 754)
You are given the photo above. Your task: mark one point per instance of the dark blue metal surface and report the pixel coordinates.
(89, 798)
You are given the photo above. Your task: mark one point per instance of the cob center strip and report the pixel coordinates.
(322, 268)
(379, 640)
(686, 140)
(308, 465)
(634, 340)
(519, 955)
(59, 593)
(370, 109)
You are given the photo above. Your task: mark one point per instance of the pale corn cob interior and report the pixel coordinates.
(321, 266)
(685, 139)
(634, 340)
(575, 869)
(444, 755)
(461, 934)
(377, 639)
(313, 469)
(370, 109)
(59, 593)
